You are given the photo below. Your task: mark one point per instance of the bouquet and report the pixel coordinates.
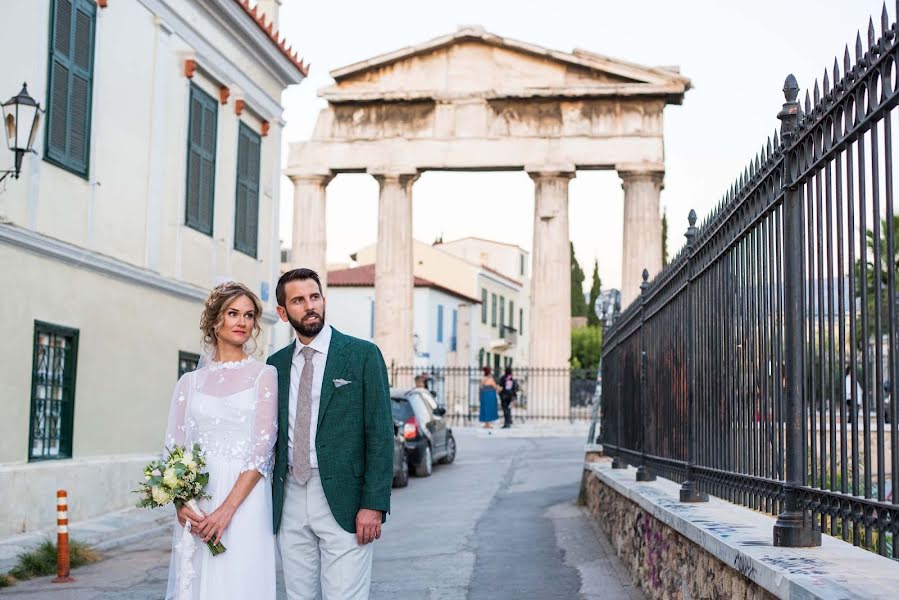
(178, 478)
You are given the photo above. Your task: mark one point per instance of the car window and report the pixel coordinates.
(402, 411)
(429, 400)
(422, 411)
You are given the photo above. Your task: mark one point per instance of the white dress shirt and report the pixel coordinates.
(320, 344)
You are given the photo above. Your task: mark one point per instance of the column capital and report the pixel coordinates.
(322, 179)
(398, 175)
(641, 172)
(551, 171)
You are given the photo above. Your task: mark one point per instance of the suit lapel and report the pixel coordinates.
(338, 353)
(283, 367)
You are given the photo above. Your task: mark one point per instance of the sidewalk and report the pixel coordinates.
(118, 528)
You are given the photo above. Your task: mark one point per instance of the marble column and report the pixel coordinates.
(393, 269)
(550, 310)
(309, 248)
(642, 245)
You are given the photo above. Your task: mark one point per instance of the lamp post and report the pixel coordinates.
(21, 118)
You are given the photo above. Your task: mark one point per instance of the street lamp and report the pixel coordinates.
(21, 117)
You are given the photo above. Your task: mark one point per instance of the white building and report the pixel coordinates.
(156, 175)
(443, 317)
(494, 336)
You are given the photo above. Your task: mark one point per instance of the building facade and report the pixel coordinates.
(156, 176)
(493, 337)
(442, 319)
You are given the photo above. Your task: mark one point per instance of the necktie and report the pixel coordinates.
(302, 467)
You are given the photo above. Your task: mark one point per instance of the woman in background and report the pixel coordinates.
(489, 411)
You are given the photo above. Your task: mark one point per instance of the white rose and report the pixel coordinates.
(155, 473)
(160, 496)
(170, 478)
(188, 457)
(190, 465)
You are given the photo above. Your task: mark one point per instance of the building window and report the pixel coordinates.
(496, 359)
(484, 306)
(511, 314)
(502, 314)
(439, 322)
(246, 205)
(520, 321)
(521, 260)
(52, 391)
(187, 362)
(454, 335)
(493, 310)
(201, 139)
(70, 83)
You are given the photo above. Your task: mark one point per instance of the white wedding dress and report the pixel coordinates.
(231, 410)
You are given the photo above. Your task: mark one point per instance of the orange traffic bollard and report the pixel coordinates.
(62, 535)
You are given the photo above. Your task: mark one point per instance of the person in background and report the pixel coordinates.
(508, 392)
(488, 408)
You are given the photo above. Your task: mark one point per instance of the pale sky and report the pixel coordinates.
(737, 55)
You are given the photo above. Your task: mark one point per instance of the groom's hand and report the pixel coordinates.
(368, 525)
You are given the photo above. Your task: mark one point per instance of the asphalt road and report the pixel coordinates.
(499, 523)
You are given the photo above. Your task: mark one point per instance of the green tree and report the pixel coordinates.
(595, 288)
(872, 274)
(578, 304)
(664, 237)
(586, 347)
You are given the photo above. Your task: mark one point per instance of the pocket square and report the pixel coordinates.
(341, 382)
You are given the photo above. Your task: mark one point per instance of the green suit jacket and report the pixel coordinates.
(354, 439)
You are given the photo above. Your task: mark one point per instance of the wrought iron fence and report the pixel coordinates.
(761, 365)
(545, 394)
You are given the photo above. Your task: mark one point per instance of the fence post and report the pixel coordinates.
(644, 473)
(688, 491)
(794, 528)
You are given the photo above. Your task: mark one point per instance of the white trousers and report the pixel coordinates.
(321, 560)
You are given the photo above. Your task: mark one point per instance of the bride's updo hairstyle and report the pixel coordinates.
(213, 316)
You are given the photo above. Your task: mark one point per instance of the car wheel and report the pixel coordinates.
(402, 478)
(426, 466)
(450, 450)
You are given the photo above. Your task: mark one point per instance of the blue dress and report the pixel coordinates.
(489, 411)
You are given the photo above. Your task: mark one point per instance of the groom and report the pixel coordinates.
(334, 454)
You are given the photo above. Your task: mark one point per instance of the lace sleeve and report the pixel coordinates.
(176, 432)
(261, 456)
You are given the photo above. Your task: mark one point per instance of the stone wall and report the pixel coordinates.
(664, 563)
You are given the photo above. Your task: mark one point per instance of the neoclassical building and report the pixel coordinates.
(477, 101)
(156, 176)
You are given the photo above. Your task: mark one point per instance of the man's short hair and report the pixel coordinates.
(295, 275)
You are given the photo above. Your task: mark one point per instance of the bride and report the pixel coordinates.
(229, 407)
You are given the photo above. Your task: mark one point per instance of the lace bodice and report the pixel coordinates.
(231, 410)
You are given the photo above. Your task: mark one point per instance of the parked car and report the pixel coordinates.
(400, 460)
(427, 437)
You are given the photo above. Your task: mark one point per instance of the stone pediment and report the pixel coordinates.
(473, 63)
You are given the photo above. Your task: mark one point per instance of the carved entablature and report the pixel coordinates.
(477, 100)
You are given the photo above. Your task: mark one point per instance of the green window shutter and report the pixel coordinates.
(70, 83)
(483, 306)
(201, 144)
(246, 213)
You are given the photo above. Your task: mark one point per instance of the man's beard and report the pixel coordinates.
(310, 330)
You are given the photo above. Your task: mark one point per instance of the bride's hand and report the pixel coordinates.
(214, 525)
(186, 514)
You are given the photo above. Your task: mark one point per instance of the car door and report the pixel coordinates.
(436, 424)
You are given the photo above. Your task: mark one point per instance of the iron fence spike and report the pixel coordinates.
(817, 95)
(871, 38)
(884, 20)
(836, 70)
(847, 64)
(808, 103)
(858, 46)
(826, 83)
